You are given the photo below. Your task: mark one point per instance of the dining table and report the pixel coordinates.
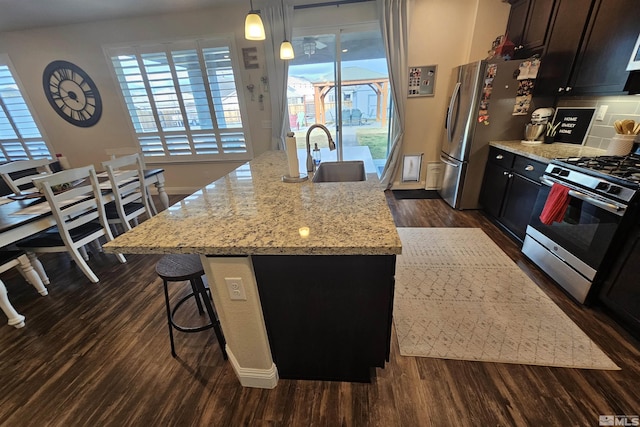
(29, 215)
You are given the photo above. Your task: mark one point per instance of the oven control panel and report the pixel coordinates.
(580, 180)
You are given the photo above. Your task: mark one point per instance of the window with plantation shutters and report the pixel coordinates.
(183, 99)
(20, 138)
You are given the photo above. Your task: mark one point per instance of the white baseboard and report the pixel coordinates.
(255, 378)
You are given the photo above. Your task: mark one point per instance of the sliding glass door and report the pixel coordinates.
(339, 79)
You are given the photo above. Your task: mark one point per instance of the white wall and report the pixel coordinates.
(447, 33)
(442, 32)
(30, 51)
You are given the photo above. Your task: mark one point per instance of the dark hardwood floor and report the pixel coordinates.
(98, 355)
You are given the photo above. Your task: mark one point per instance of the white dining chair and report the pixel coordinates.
(77, 205)
(18, 175)
(114, 153)
(126, 177)
(9, 260)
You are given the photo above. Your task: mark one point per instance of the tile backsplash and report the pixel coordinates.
(619, 108)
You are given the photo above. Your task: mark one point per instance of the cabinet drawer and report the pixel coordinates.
(528, 168)
(501, 157)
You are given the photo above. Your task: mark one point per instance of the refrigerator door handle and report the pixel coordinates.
(452, 103)
(448, 162)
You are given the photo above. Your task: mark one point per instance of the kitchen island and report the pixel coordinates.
(316, 264)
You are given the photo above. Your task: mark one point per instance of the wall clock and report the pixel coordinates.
(72, 93)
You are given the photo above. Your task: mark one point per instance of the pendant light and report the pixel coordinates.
(286, 49)
(253, 28)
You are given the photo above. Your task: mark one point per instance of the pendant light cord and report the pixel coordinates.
(284, 24)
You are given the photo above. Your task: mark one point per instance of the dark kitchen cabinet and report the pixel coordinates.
(328, 317)
(620, 292)
(496, 179)
(509, 190)
(528, 25)
(563, 44)
(518, 204)
(606, 48)
(588, 47)
(517, 21)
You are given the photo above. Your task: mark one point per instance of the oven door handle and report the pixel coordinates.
(610, 207)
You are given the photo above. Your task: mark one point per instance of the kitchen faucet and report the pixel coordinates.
(332, 145)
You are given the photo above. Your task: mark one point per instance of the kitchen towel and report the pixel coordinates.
(556, 205)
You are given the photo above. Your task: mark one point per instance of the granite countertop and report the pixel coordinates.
(546, 152)
(252, 212)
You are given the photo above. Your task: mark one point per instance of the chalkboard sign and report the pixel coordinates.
(574, 125)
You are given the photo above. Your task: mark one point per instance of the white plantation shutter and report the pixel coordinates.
(20, 138)
(183, 99)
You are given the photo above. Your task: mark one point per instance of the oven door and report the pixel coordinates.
(587, 228)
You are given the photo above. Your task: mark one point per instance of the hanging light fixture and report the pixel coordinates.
(286, 48)
(253, 28)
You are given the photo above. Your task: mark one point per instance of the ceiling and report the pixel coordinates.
(28, 14)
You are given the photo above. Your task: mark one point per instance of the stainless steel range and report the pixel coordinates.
(577, 250)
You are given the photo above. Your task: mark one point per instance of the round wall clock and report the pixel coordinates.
(72, 93)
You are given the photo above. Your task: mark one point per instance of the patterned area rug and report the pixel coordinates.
(458, 296)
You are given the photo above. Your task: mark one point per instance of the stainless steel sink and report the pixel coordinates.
(352, 170)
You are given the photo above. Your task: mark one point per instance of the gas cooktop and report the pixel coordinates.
(624, 169)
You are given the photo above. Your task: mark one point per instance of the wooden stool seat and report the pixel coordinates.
(180, 268)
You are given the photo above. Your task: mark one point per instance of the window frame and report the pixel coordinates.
(6, 61)
(199, 44)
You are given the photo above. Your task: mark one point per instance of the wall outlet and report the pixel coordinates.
(601, 112)
(235, 288)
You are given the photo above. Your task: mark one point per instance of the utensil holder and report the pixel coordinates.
(620, 145)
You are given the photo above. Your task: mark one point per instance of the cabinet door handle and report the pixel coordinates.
(568, 89)
(529, 168)
(499, 157)
(505, 173)
(560, 89)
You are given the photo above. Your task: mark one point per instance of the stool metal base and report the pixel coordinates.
(203, 297)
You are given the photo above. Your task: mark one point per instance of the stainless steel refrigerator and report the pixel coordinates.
(480, 109)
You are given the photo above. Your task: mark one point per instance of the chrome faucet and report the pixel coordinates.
(332, 145)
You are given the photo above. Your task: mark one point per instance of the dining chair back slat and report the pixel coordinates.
(32, 168)
(131, 199)
(79, 214)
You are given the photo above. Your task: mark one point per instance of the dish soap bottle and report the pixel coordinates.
(315, 155)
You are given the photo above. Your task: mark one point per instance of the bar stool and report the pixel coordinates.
(179, 268)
